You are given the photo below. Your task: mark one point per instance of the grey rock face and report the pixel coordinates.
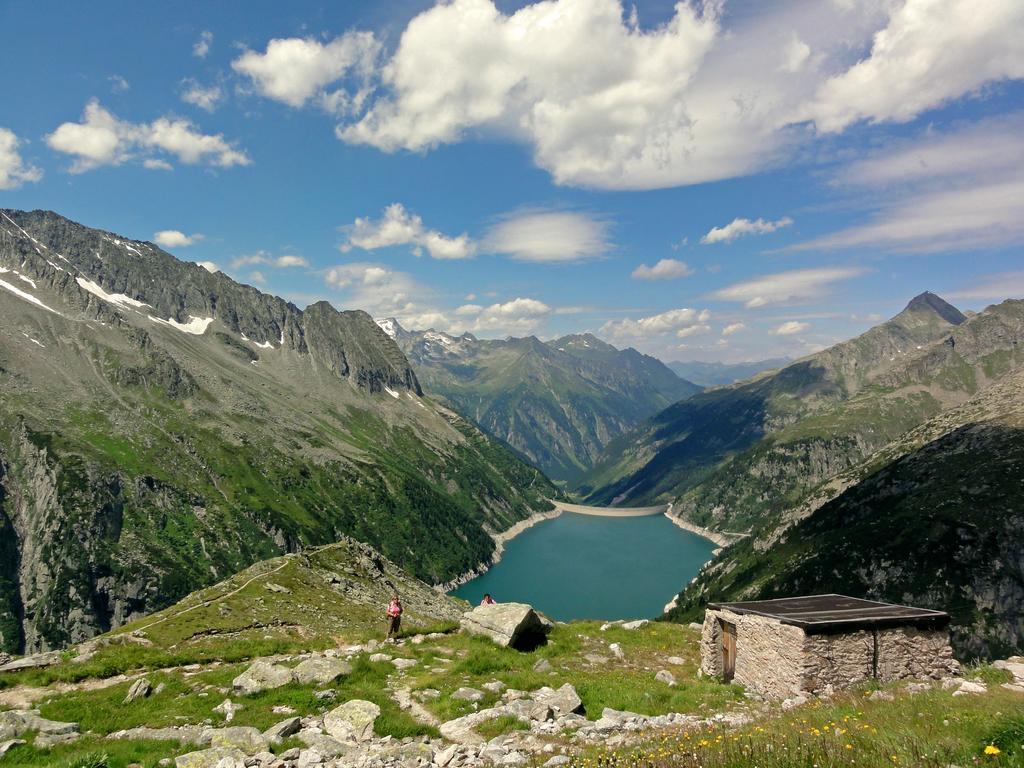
(352, 720)
(320, 670)
(261, 676)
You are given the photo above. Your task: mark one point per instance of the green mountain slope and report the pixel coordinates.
(162, 427)
(557, 403)
(935, 519)
(720, 374)
(733, 456)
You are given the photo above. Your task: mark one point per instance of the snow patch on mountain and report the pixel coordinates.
(196, 325)
(118, 299)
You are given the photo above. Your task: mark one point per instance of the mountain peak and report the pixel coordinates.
(390, 326)
(930, 302)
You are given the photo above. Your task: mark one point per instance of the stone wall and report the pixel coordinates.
(769, 655)
(778, 660)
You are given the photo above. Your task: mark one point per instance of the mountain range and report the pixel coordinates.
(162, 427)
(558, 403)
(715, 374)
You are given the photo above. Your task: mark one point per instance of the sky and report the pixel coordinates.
(728, 180)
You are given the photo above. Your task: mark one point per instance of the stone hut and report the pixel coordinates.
(793, 645)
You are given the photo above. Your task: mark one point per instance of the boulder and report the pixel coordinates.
(352, 720)
(468, 694)
(261, 676)
(460, 730)
(327, 747)
(636, 624)
(246, 738)
(666, 677)
(320, 670)
(543, 666)
(564, 701)
(140, 689)
(512, 625)
(10, 743)
(280, 731)
(35, 661)
(404, 663)
(228, 709)
(219, 757)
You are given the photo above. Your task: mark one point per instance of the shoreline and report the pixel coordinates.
(500, 539)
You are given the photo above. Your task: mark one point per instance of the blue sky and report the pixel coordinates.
(726, 181)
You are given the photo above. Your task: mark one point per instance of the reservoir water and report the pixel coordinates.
(588, 567)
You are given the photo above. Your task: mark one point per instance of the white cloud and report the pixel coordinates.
(469, 309)
(257, 277)
(172, 238)
(741, 227)
(665, 269)
(792, 287)
(665, 322)
(790, 327)
(14, 171)
(515, 316)
(118, 84)
(930, 52)
(156, 164)
(1004, 285)
(262, 257)
(203, 97)
(202, 45)
(952, 190)
(296, 70)
(692, 330)
(399, 227)
(604, 102)
(103, 139)
(209, 266)
(732, 328)
(549, 236)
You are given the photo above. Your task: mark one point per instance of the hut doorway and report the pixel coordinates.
(728, 651)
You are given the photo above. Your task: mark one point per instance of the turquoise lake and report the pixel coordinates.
(588, 567)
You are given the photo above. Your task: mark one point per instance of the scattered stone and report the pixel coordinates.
(189, 734)
(664, 676)
(282, 730)
(675, 661)
(913, 688)
(159, 688)
(1013, 687)
(542, 666)
(511, 625)
(328, 695)
(326, 747)
(564, 701)
(279, 588)
(795, 701)
(140, 689)
(442, 758)
(320, 670)
(283, 709)
(6, 745)
(556, 761)
(468, 694)
(353, 719)
(636, 624)
(228, 709)
(220, 757)
(617, 650)
(35, 661)
(881, 696)
(379, 657)
(495, 686)
(404, 663)
(968, 688)
(596, 658)
(48, 740)
(261, 676)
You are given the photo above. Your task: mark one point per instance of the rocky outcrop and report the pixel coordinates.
(511, 625)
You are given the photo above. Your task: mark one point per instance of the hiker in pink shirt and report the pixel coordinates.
(394, 614)
(488, 600)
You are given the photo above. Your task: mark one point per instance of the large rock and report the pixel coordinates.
(261, 676)
(564, 701)
(246, 738)
(352, 720)
(512, 625)
(276, 733)
(320, 670)
(218, 757)
(140, 689)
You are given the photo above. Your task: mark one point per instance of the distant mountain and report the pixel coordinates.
(557, 403)
(718, 374)
(162, 427)
(732, 457)
(934, 519)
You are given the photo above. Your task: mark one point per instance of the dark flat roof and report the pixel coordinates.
(834, 613)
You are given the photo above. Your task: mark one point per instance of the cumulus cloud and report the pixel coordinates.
(791, 287)
(257, 277)
(209, 266)
(202, 46)
(732, 328)
(665, 322)
(516, 316)
(790, 327)
(398, 226)
(930, 51)
(265, 258)
(549, 236)
(742, 227)
(604, 102)
(945, 190)
(204, 97)
(294, 71)
(103, 139)
(665, 269)
(14, 171)
(693, 330)
(172, 238)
